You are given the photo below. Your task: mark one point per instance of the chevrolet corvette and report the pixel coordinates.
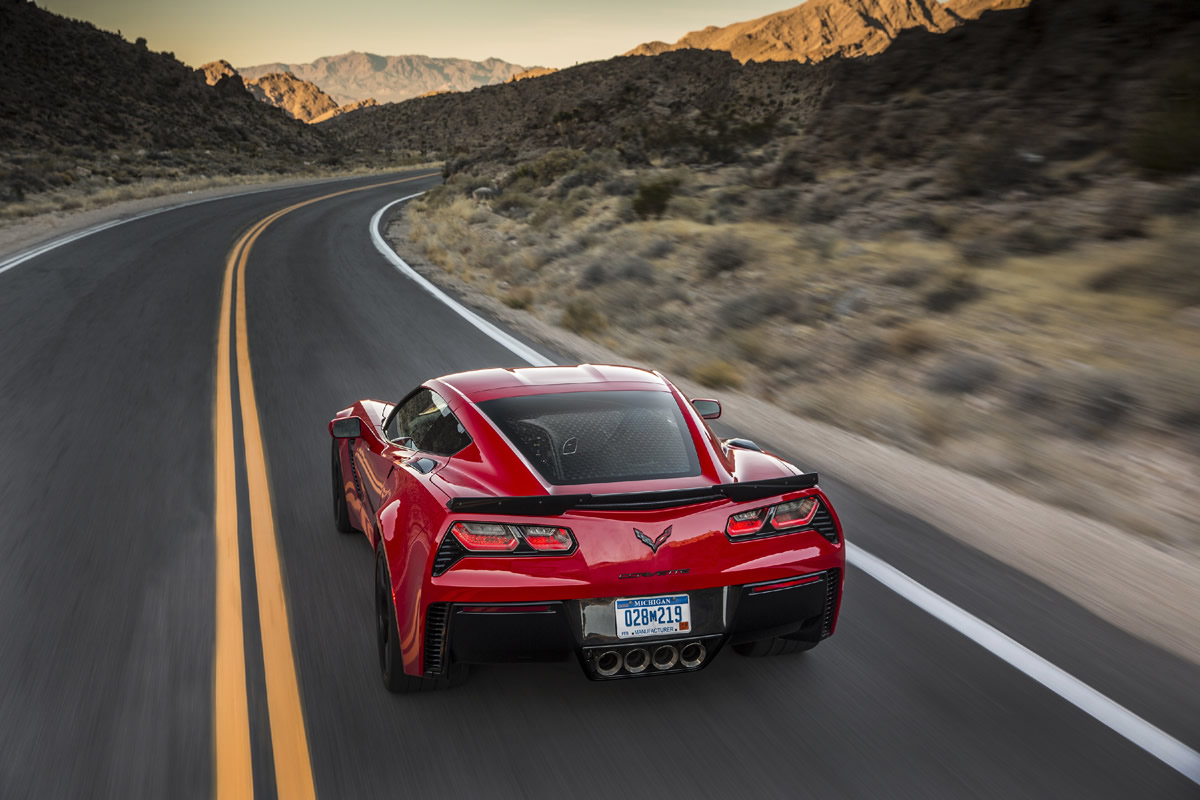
(544, 512)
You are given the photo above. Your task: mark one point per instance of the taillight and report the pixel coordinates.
(794, 513)
(495, 537)
(747, 523)
(778, 518)
(485, 536)
(547, 539)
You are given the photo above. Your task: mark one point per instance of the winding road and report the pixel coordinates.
(179, 618)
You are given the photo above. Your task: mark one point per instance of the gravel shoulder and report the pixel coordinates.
(1150, 590)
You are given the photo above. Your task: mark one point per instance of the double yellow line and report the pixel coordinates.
(232, 763)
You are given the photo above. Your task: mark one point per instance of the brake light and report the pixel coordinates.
(496, 537)
(779, 518)
(747, 523)
(547, 539)
(797, 512)
(485, 536)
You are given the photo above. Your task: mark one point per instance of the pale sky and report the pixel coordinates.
(527, 32)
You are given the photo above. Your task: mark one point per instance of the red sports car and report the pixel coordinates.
(528, 514)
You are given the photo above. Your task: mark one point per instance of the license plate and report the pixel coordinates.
(653, 616)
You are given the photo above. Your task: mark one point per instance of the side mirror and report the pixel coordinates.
(709, 409)
(346, 428)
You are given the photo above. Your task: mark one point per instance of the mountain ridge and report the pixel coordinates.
(355, 75)
(821, 29)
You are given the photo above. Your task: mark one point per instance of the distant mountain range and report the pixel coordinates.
(820, 29)
(299, 99)
(389, 79)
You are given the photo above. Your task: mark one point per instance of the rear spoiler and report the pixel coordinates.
(554, 504)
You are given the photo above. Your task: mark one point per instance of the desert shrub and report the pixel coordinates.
(868, 350)
(653, 196)
(548, 167)
(962, 373)
(716, 374)
(659, 247)
(981, 250)
(627, 268)
(907, 277)
(1173, 274)
(985, 163)
(518, 298)
(621, 186)
(750, 308)
(912, 339)
(730, 203)
(583, 318)
(796, 165)
(1167, 140)
(515, 204)
(1085, 403)
(724, 253)
(825, 207)
(775, 204)
(952, 292)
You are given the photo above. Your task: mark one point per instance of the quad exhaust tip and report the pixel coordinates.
(665, 657)
(636, 660)
(692, 655)
(608, 663)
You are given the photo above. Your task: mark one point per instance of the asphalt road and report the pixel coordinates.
(108, 353)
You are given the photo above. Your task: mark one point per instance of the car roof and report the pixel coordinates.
(483, 383)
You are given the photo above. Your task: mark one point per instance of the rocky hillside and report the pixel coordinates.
(637, 105)
(85, 112)
(389, 79)
(346, 109)
(299, 99)
(820, 29)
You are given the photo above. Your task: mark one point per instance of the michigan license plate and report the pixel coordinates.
(653, 616)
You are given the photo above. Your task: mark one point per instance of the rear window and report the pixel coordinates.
(598, 437)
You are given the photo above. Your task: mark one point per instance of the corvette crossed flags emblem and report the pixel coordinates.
(655, 543)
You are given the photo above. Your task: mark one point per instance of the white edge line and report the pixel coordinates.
(1116, 717)
(53, 244)
(514, 345)
(1153, 740)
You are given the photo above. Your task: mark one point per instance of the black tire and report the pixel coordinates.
(772, 647)
(341, 514)
(395, 680)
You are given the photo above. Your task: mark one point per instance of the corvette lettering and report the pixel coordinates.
(658, 574)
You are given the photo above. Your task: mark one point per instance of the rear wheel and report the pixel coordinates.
(772, 647)
(391, 667)
(341, 514)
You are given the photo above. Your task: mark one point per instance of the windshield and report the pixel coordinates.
(598, 437)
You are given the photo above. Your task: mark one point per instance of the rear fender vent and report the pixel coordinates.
(436, 617)
(448, 554)
(833, 584)
(823, 524)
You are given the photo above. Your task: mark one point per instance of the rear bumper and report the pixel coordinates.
(802, 607)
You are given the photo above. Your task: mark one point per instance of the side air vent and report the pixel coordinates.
(823, 524)
(447, 554)
(435, 638)
(354, 470)
(833, 582)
